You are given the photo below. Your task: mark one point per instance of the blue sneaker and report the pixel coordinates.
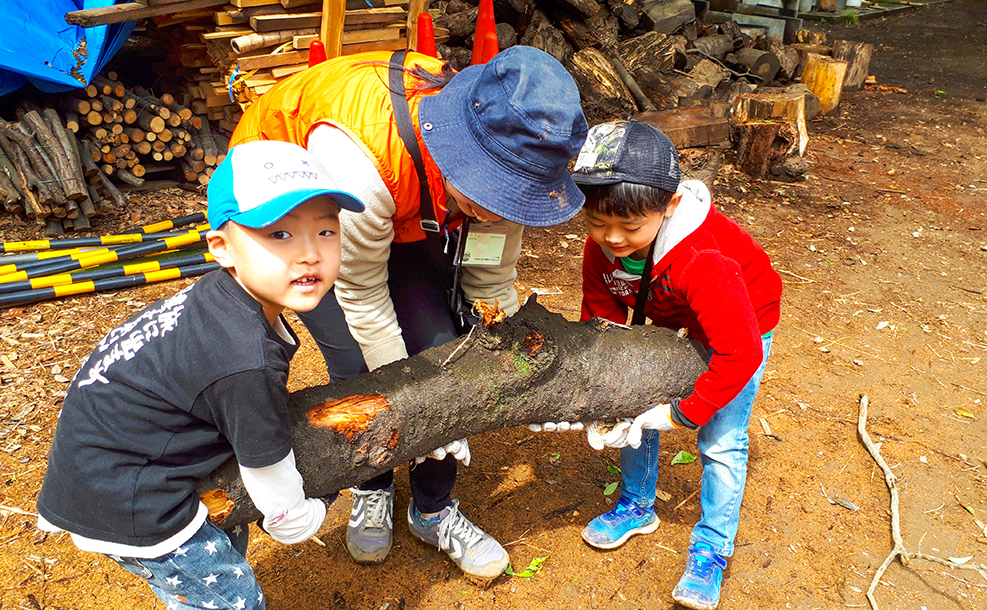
(614, 527)
(699, 587)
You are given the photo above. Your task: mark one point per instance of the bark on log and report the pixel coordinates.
(857, 55)
(776, 106)
(714, 46)
(603, 92)
(509, 374)
(32, 166)
(541, 34)
(762, 64)
(667, 16)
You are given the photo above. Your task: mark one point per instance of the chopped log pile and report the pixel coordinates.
(708, 79)
(63, 158)
(228, 55)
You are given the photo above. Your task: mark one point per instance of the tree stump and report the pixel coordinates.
(775, 106)
(857, 55)
(824, 77)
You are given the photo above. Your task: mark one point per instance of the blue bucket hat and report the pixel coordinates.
(503, 134)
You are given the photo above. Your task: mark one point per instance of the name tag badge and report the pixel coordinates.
(485, 245)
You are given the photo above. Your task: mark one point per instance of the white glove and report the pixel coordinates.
(561, 426)
(658, 418)
(459, 449)
(601, 434)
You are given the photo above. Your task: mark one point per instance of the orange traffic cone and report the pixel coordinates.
(484, 24)
(426, 35)
(316, 53)
(490, 47)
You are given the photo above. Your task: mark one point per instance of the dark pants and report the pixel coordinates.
(418, 292)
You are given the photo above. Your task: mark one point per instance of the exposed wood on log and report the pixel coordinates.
(689, 127)
(762, 64)
(506, 375)
(666, 16)
(775, 106)
(602, 91)
(824, 77)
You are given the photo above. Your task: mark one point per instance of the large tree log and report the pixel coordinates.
(857, 55)
(533, 367)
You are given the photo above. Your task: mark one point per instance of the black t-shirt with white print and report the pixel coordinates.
(162, 401)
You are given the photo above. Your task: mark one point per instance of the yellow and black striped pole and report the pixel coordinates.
(129, 252)
(14, 262)
(142, 235)
(166, 261)
(25, 297)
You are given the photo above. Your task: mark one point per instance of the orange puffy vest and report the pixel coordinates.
(351, 93)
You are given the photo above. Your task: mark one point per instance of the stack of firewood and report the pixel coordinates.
(229, 55)
(61, 158)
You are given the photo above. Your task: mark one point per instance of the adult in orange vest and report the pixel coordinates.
(494, 142)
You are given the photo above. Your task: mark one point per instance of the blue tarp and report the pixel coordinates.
(37, 46)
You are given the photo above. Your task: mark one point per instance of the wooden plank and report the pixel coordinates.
(387, 45)
(333, 16)
(304, 41)
(378, 35)
(274, 23)
(415, 8)
(132, 11)
(279, 73)
(250, 3)
(689, 127)
(376, 15)
(224, 34)
(251, 62)
(294, 3)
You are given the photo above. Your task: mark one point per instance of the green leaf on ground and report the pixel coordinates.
(533, 568)
(609, 489)
(683, 457)
(613, 469)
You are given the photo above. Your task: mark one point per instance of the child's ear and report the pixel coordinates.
(219, 248)
(674, 203)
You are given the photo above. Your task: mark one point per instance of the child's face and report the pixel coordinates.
(289, 264)
(625, 236)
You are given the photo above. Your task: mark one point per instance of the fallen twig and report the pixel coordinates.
(899, 546)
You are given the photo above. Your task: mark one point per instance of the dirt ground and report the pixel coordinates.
(883, 251)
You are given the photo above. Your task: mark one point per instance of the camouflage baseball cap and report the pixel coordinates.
(628, 151)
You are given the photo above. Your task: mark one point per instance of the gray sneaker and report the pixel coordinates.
(369, 534)
(473, 550)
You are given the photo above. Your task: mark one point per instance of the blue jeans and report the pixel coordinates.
(723, 445)
(208, 571)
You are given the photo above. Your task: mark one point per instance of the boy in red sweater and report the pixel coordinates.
(706, 275)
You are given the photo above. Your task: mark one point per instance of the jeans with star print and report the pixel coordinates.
(208, 571)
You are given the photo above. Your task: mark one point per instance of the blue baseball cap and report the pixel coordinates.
(503, 133)
(259, 182)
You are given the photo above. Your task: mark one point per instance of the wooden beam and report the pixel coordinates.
(333, 17)
(415, 8)
(132, 11)
(274, 23)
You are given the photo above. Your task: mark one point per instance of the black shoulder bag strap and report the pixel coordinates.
(402, 118)
(642, 292)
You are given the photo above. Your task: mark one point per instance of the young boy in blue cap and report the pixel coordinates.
(197, 378)
(702, 272)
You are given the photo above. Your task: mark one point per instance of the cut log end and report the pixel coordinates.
(219, 504)
(349, 415)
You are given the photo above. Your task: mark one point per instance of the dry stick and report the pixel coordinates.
(899, 546)
(44, 179)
